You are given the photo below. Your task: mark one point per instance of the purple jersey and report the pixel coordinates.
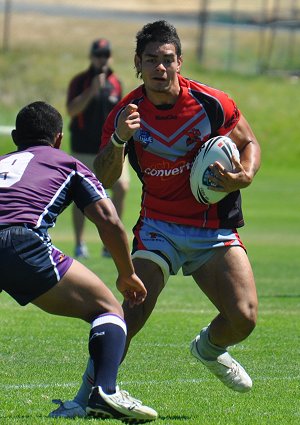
(38, 183)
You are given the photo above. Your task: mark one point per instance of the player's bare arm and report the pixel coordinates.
(108, 163)
(246, 167)
(112, 233)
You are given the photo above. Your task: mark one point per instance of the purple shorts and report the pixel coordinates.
(29, 267)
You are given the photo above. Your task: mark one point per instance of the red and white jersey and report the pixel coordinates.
(163, 149)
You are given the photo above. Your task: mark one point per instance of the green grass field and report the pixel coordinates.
(43, 357)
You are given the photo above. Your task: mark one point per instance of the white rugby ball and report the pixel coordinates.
(221, 149)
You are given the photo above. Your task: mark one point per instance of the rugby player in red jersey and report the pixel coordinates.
(160, 126)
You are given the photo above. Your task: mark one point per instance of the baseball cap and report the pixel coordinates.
(100, 47)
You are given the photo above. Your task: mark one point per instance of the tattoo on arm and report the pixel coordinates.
(108, 164)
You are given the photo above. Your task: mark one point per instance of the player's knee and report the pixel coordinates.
(125, 186)
(104, 307)
(120, 188)
(115, 308)
(245, 320)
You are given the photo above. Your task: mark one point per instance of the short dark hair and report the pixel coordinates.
(158, 31)
(37, 124)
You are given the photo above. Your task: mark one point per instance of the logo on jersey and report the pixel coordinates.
(145, 138)
(194, 136)
(166, 172)
(61, 257)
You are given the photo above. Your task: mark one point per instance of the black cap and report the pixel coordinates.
(101, 47)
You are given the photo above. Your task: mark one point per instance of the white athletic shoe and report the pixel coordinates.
(106, 253)
(119, 405)
(81, 251)
(67, 409)
(225, 368)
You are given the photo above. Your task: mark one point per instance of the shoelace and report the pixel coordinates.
(232, 370)
(235, 369)
(134, 402)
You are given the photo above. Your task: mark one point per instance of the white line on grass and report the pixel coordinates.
(152, 382)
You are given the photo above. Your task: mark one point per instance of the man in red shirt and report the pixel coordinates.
(161, 125)
(92, 94)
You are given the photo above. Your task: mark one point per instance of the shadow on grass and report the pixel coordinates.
(174, 417)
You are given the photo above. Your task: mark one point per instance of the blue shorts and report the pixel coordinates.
(173, 246)
(28, 266)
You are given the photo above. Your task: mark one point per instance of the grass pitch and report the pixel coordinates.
(43, 357)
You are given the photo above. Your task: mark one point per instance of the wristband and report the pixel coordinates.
(115, 139)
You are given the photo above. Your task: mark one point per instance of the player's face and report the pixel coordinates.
(159, 66)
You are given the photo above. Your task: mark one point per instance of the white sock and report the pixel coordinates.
(206, 349)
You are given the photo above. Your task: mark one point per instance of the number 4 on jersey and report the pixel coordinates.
(12, 168)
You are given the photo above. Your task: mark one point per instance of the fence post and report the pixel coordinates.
(6, 26)
(232, 36)
(203, 17)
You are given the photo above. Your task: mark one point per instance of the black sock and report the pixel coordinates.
(106, 347)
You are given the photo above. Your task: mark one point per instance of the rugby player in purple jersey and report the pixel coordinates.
(37, 182)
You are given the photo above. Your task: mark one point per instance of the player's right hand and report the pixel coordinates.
(129, 122)
(132, 289)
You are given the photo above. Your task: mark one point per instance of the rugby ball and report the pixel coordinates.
(221, 149)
